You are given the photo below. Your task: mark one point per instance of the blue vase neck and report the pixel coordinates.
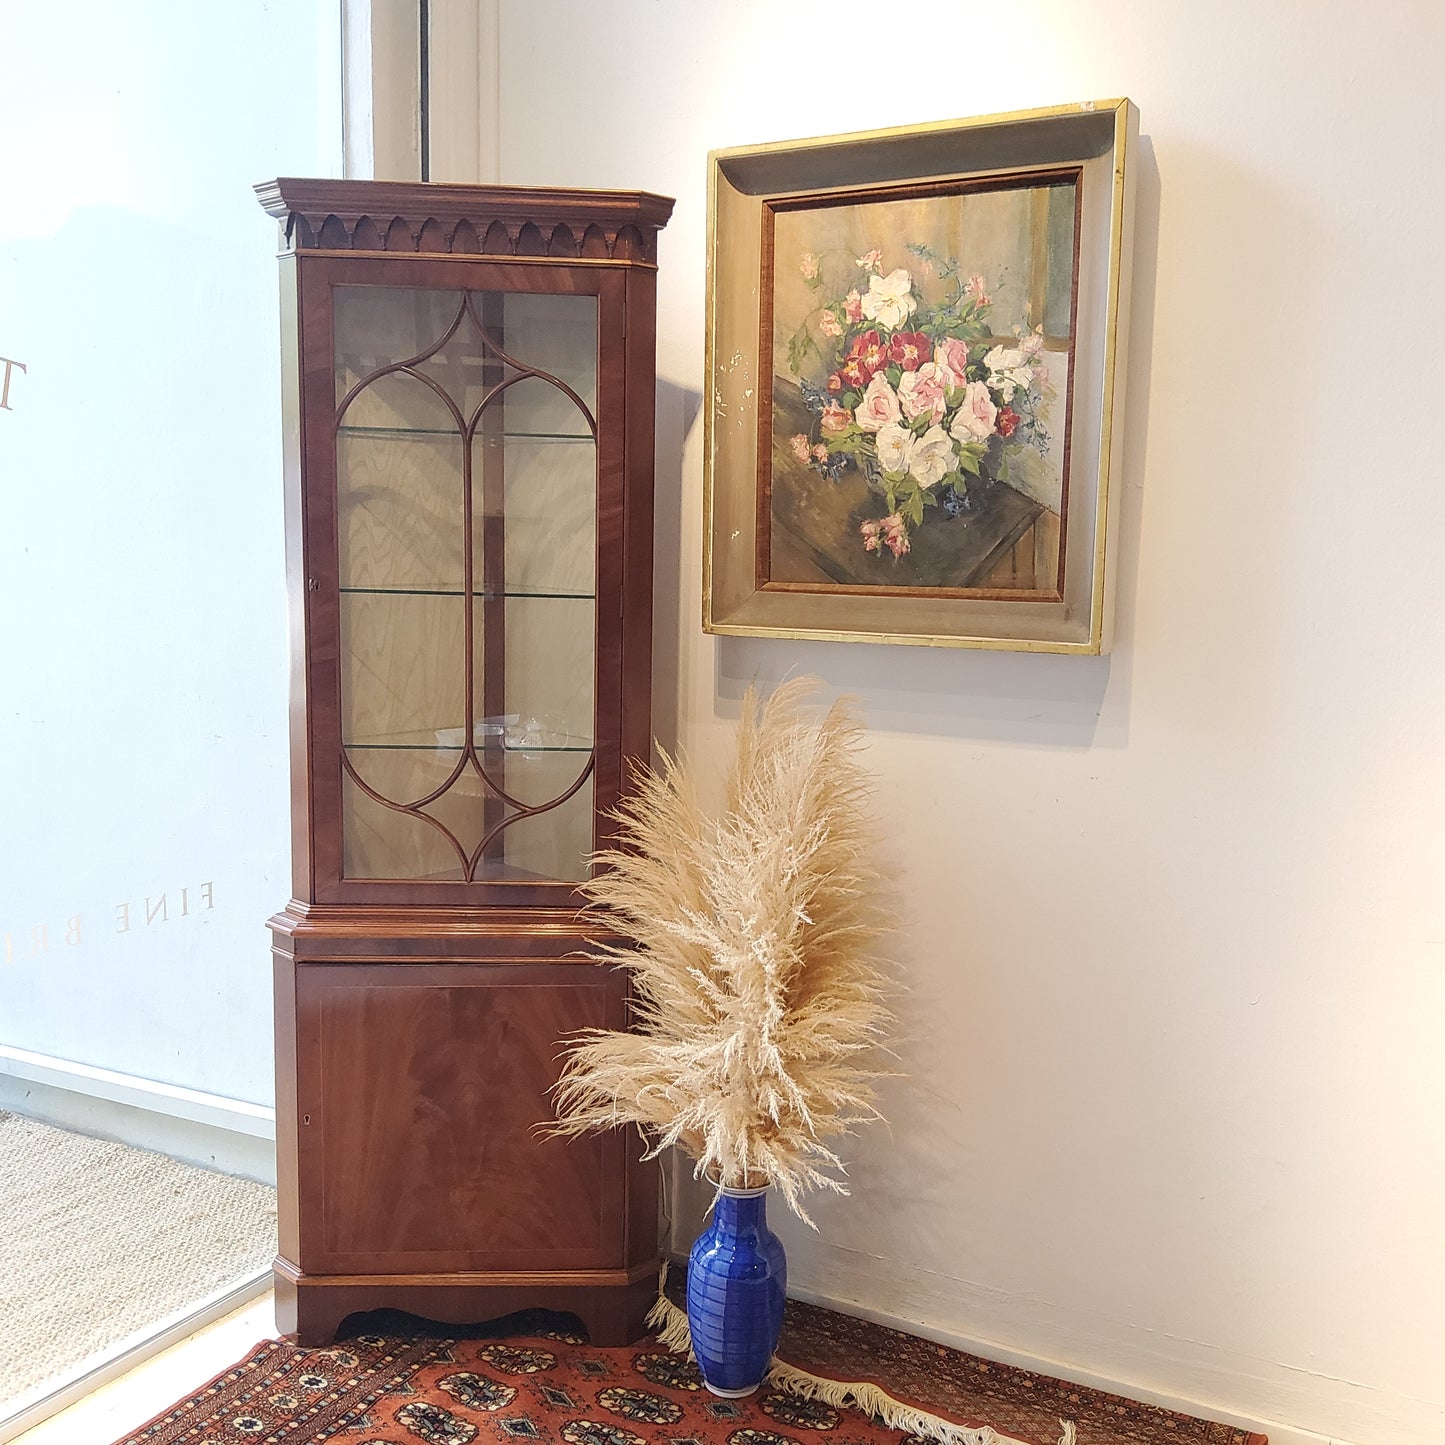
(745, 1214)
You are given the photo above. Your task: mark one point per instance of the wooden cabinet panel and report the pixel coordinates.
(422, 1094)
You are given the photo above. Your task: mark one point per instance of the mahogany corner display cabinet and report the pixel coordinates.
(468, 416)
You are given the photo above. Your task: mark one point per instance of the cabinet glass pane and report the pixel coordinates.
(467, 527)
(399, 490)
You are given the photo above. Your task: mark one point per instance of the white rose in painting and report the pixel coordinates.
(895, 443)
(1003, 358)
(976, 416)
(931, 457)
(890, 301)
(1008, 369)
(879, 405)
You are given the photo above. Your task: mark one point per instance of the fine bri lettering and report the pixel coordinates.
(150, 912)
(157, 909)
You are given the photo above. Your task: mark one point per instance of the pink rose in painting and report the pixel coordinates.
(975, 419)
(920, 393)
(835, 419)
(808, 265)
(889, 532)
(871, 261)
(820, 453)
(879, 405)
(1029, 348)
(799, 445)
(853, 307)
(951, 358)
(895, 535)
(828, 325)
(977, 289)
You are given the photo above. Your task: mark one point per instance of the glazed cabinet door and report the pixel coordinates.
(464, 497)
(420, 1093)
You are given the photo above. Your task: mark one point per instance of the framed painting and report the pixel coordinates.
(914, 363)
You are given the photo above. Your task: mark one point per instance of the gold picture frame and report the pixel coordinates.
(915, 347)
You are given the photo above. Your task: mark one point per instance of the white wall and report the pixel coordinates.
(142, 736)
(1173, 920)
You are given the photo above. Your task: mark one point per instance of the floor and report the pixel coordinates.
(114, 1410)
(103, 1241)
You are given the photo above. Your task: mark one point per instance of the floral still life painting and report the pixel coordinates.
(916, 434)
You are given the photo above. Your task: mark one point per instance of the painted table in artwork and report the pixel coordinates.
(999, 543)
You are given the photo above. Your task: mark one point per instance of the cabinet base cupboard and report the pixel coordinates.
(468, 418)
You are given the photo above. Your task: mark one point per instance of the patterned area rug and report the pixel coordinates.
(548, 1388)
(542, 1384)
(957, 1386)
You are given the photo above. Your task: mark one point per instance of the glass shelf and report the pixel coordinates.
(513, 735)
(395, 746)
(421, 431)
(479, 594)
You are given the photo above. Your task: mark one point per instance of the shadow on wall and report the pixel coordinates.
(674, 534)
(1027, 699)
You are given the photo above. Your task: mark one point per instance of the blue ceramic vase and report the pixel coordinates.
(737, 1276)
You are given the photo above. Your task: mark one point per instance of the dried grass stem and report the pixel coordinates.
(751, 938)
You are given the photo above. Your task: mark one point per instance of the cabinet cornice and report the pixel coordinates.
(429, 218)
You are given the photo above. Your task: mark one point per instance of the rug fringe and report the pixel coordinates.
(669, 1322)
(872, 1400)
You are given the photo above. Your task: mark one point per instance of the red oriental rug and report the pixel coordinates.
(548, 1386)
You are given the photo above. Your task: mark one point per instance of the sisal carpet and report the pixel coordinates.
(101, 1240)
(528, 1379)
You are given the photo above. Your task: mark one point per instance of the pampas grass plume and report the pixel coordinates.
(751, 937)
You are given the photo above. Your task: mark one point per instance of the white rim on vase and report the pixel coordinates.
(732, 1193)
